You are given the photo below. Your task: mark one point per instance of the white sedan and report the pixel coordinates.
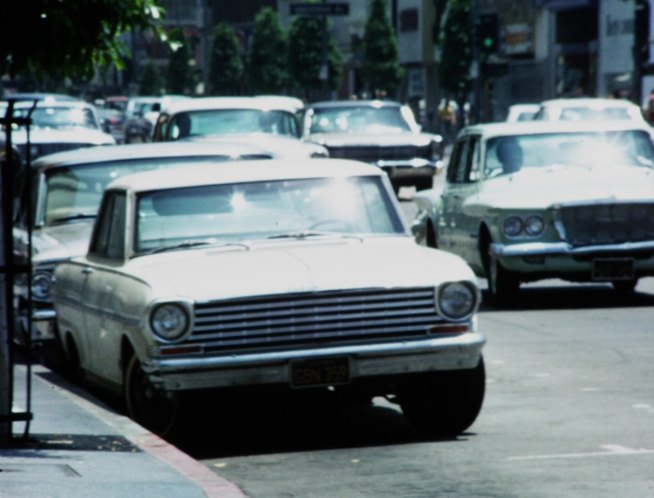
(299, 274)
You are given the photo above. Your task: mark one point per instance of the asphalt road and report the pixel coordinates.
(569, 412)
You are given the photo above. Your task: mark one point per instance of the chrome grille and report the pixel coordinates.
(314, 319)
(609, 223)
(374, 153)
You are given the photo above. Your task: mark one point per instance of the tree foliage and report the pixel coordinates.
(305, 56)
(70, 38)
(381, 69)
(226, 64)
(267, 65)
(179, 79)
(456, 51)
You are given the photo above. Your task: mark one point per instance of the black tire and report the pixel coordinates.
(153, 408)
(502, 284)
(625, 286)
(424, 183)
(431, 236)
(444, 404)
(73, 365)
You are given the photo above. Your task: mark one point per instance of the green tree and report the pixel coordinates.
(267, 66)
(305, 57)
(179, 79)
(456, 51)
(70, 38)
(381, 68)
(151, 82)
(226, 65)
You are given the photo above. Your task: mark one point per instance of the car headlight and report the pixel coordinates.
(169, 321)
(457, 300)
(513, 226)
(534, 225)
(41, 285)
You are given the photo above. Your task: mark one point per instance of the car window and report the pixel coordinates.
(109, 237)
(67, 193)
(464, 157)
(589, 149)
(363, 119)
(231, 121)
(59, 117)
(261, 210)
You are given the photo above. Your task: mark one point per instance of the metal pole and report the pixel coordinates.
(476, 65)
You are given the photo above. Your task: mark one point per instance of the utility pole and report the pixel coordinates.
(475, 70)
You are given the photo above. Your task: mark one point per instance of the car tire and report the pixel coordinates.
(444, 404)
(431, 235)
(73, 365)
(151, 407)
(502, 284)
(625, 286)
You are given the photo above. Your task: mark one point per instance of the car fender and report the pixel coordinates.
(429, 208)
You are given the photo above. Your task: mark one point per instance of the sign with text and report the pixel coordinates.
(320, 9)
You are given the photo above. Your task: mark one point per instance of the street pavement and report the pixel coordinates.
(77, 447)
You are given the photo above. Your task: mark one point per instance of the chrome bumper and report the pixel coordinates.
(563, 248)
(443, 353)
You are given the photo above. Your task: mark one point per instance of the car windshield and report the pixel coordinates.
(70, 193)
(59, 117)
(280, 209)
(510, 154)
(232, 121)
(363, 119)
(594, 114)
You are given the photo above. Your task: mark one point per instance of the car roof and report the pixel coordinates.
(40, 96)
(243, 172)
(490, 130)
(217, 103)
(160, 150)
(353, 103)
(592, 102)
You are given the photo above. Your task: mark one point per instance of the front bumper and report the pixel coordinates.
(365, 361)
(409, 169)
(559, 258)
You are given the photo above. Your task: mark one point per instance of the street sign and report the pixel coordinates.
(320, 9)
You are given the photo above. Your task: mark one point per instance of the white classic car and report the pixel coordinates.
(66, 190)
(379, 132)
(297, 274)
(535, 200)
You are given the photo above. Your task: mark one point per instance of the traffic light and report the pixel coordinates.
(488, 33)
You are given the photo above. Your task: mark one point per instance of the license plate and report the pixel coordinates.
(320, 372)
(613, 269)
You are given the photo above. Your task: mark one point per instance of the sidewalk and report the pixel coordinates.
(78, 447)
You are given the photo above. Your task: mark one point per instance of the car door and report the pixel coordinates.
(461, 184)
(106, 256)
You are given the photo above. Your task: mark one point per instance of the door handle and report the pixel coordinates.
(88, 270)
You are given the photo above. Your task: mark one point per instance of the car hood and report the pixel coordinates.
(543, 187)
(63, 241)
(70, 135)
(362, 139)
(298, 266)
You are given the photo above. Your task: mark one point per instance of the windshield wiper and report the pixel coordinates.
(303, 234)
(73, 217)
(192, 243)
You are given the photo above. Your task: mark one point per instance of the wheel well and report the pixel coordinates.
(126, 352)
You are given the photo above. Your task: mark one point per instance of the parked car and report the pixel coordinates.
(267, 120)
(535, 200)
(589, 109)
(379, 132)
(226, 116)
(66, 193)
(281, 274)
(58, 124)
